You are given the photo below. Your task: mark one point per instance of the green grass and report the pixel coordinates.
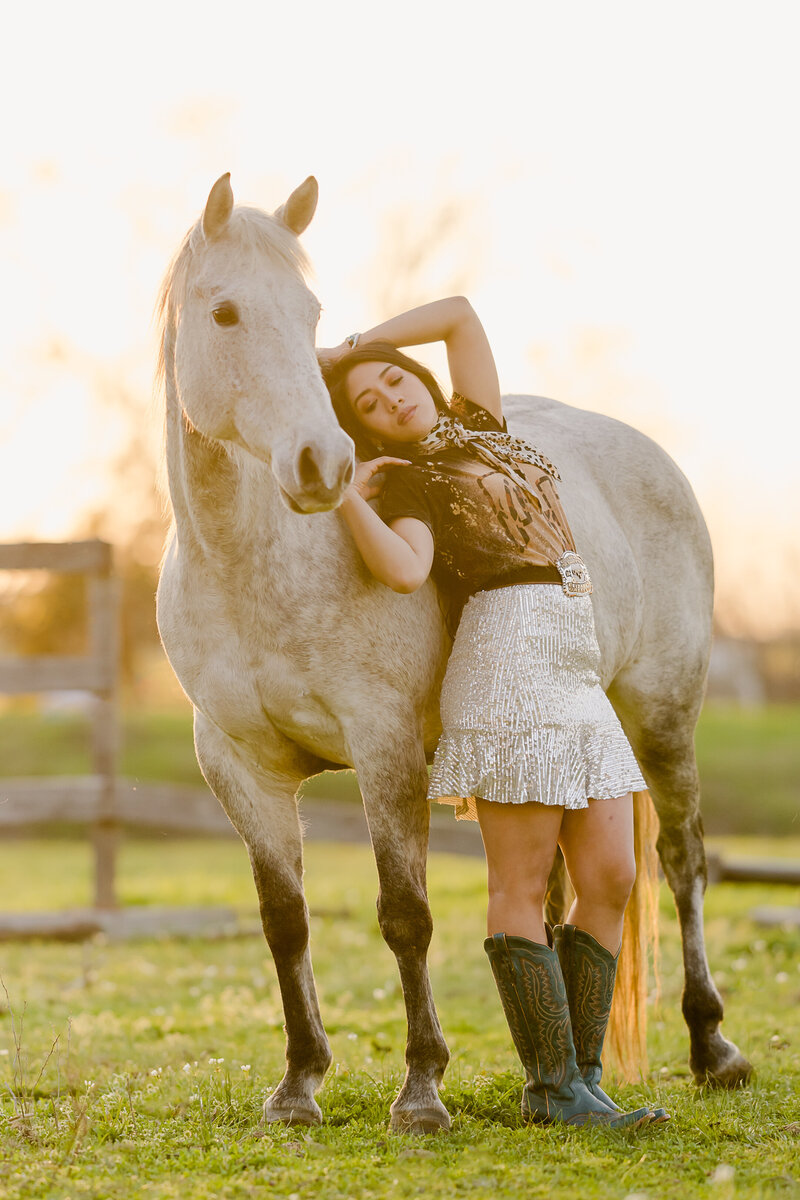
(166, 1048)
(749, 763)
(749, 760)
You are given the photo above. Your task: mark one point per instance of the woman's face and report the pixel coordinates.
(391, 403)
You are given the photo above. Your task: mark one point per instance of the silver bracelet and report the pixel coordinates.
(352, 340)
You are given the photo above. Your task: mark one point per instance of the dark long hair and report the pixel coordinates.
(336, 381)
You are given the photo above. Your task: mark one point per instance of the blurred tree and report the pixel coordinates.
(45, 612)
(418, 257)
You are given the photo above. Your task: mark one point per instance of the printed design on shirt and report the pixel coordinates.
(526, 517)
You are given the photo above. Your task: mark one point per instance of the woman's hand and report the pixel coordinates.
(363, 484)
(329, 356)
(399, 555)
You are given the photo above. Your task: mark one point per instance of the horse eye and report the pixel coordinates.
(225, 314)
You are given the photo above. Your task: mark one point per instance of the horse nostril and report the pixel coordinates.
(308, 472)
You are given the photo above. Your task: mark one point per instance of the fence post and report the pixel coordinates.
(103, 601)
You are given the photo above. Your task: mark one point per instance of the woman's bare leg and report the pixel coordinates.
(520, 842)
(597, 843)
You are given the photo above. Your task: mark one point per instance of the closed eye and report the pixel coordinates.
(226, 314)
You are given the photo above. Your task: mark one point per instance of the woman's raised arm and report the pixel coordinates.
(453, 321)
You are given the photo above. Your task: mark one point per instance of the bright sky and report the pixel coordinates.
(622, 180)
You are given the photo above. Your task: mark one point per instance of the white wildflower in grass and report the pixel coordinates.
(245, 1068)
(195, 1096)
(186, 1068)
(724, 1173)
(3, 1053)
(759, 944)
(740, 964)
(156, 1071)
(352, 1036)
(215, 1062)
(781, 977)
(378, 994)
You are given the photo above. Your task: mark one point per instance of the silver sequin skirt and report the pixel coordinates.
(524, 715)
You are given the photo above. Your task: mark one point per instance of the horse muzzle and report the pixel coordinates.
(316, 477)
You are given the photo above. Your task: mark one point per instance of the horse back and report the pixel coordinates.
(637, 523)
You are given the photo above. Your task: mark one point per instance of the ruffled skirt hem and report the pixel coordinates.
(545, 766)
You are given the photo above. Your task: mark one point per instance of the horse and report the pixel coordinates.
(296, 660)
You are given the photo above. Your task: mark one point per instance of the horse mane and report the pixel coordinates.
(255, 232)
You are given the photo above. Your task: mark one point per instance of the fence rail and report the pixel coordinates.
(169, 808)
(753, 870)
(89, 556)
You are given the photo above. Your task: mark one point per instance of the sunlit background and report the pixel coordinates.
(613, 185)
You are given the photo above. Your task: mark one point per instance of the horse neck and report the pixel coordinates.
(226, 504)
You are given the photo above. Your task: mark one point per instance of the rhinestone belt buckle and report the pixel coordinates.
(575, 579)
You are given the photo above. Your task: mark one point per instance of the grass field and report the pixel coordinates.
(749, 760)
(160, 1052)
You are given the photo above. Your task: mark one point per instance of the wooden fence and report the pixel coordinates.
(104, 802)
(95, 672)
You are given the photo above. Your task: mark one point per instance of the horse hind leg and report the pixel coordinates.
(662, 736)
(394, 785)
(261, 805)
(714, 1059)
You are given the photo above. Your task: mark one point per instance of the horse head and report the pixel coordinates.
(238, 345)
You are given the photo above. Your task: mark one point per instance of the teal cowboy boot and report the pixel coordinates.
(589, 972)
(531, 987)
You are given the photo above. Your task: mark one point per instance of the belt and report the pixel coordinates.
(570, 571)
(546, 574)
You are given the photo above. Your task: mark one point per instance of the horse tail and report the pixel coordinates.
(626, 1040)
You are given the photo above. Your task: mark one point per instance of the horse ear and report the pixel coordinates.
(298, 210)
(219, 207)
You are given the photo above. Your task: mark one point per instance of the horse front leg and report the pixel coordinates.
(394, 781)
(260, 802)
(668, 763)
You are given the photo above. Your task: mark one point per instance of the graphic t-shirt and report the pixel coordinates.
(486, 528)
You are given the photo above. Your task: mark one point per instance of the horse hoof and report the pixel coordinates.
(299, 1113)
(420, 1120)
(732, 1071)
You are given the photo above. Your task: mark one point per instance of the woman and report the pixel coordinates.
(530, 744)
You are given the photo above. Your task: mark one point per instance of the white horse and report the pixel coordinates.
(297, 660)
